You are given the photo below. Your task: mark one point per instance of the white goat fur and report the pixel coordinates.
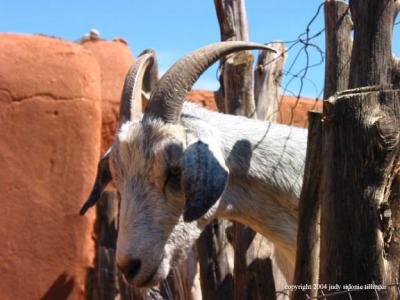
(265, 163)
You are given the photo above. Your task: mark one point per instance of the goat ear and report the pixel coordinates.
(103, 177)
(204, 178)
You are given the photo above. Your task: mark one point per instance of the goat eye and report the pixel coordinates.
(175, 171)
(174, 178)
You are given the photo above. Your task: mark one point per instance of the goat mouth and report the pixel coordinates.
(149, 281)
(154, 278)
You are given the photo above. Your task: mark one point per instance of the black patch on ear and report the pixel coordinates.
(103, 177)
(203, 180)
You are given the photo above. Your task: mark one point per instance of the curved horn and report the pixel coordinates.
(143, 74)
(167, 99)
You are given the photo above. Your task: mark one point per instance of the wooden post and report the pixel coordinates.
(251, 264)
(338, 28)
(361, 137)
(308, 234)
(338, 41)
(106, 239)
(215, 257)
(257, 274)
(213, 249)
(372, 62)
(237, 68)
(390, 220)
(232, 20)
(214, 253)
(267, 82)
(237, 78)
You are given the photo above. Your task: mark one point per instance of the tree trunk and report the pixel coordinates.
(267, 82)
(361, 136)
(308, 234)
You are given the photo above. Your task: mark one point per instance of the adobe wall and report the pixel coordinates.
(50, 121)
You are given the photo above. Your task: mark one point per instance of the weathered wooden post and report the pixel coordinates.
(267, 82)
(338, 27)
(238, 98)
(106, 237)
(308, 234)
(361, 150)
(254, 267)
(215, 253)
(213, 247)
(256, 270)
(363, 140)
(237, 68)
(339, 44)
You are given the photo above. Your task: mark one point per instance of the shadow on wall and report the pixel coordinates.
(60, 289)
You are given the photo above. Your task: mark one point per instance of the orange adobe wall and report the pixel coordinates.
(203, 98)
(294, 111)
(115, 59)
(50, 117)
(59, 106)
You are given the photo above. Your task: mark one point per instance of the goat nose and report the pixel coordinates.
(129, 267)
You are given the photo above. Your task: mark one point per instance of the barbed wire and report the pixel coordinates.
(306, 40)
(301, 76)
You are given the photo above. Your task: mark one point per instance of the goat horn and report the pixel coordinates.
(167, 99)
(143, 74)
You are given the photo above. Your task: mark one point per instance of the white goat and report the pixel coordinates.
(181, 166)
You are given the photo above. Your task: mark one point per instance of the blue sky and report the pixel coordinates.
(173, 28)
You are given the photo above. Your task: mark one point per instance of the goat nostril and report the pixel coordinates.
(130, 268)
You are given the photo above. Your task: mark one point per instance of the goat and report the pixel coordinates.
(180, 166)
